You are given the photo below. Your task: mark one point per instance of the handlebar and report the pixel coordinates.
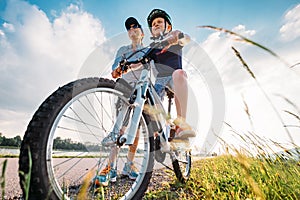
(123, 64)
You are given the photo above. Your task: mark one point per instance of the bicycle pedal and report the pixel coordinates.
(172, 134)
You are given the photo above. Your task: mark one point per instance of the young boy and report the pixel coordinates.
(168, 62)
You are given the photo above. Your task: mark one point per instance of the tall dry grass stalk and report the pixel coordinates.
(295, 126)
(289, 102)
(84, 191)
(297, 64)
(246, 109)
(27, 177)
(293, 114)
(255, 145)
(241, 38)
(245, 65)
(246, 40)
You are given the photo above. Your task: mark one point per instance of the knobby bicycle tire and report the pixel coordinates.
(37, 135)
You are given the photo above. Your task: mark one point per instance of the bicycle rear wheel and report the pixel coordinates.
(77, 117)
(181, 161)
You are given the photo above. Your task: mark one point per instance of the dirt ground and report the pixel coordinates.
(13, 189)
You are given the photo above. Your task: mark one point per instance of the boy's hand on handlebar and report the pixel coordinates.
(173, 38)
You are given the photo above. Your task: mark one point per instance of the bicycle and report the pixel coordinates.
(85, 111)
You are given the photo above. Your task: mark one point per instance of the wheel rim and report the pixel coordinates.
(89, 117)
(183, 158)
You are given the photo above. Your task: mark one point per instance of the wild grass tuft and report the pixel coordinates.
(238, 175)
(27, 177)
(2, 178)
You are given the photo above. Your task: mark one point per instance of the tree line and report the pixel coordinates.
(58, 143)
(10, 142)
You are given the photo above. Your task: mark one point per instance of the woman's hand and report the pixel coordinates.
(117, 73)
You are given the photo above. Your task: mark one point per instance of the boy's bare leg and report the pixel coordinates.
(181, 92)
(183, 129)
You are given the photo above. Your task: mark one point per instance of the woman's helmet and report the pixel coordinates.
(155, 13)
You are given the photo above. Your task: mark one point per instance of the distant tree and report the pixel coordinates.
(12, 142)
(67, 144)
(17, 141)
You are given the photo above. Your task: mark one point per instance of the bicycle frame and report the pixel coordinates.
(143, 90)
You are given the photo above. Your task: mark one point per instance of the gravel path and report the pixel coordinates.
(13, 190)
(12, 186)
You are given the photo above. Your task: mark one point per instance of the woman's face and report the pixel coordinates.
(135, 33)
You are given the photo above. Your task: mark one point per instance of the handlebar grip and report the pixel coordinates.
(181, 35)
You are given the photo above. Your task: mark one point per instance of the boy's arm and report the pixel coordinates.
(173, 39)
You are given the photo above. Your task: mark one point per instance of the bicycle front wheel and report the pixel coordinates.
(64, 138)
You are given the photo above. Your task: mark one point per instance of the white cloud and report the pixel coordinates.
(9, 27)
(241, 29)
(38, 55)
(290, 30)
(2, 33)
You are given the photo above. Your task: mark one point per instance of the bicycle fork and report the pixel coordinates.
(138, 101)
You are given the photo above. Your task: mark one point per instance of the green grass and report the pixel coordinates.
(9, 156)
(236, 177)
(9, 147)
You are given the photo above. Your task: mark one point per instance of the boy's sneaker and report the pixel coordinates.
(183, 129)
(110, 139)
(106, 175)
(130, 170)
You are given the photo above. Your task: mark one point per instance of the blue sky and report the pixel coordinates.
(45, 43)
(263, 15)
